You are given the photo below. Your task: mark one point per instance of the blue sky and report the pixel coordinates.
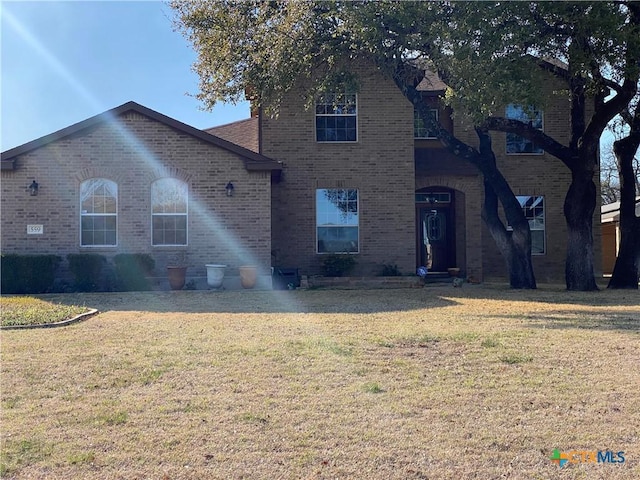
(63, 62)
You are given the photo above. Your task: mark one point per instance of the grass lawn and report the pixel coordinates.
(22, 310)
(438, 383)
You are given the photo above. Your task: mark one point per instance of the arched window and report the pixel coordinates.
(169, 212)
(98, 213)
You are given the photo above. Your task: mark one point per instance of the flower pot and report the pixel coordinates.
(176, 277)
(248, 276)
(215, 275)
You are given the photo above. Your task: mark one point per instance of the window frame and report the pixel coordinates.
(416, 127)
(184, 214)
(319, 226)
(525, 114)
(321, 101)
(83, 214)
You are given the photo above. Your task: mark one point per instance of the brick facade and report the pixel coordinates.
(271, 219)
(133, 151)
(380, 165)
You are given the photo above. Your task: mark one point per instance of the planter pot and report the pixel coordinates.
(248, 276)
(176, 277)
(215, 275)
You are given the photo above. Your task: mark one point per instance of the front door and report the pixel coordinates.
(435, 236)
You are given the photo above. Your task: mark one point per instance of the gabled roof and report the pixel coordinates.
(252, 160)
(431, 83)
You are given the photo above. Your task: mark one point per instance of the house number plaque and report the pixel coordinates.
(35, 229)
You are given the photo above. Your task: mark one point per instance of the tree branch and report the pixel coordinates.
(549, 145)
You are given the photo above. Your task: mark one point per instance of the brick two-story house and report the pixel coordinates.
(362, 175)
(357, 174)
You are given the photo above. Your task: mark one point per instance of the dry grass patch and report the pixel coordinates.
(438, 382)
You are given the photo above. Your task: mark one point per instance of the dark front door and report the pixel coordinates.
(436, 243)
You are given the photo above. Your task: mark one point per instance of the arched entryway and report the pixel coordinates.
(436, 228)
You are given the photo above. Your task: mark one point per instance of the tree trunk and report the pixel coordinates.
(579, 205)
(515, 248)
(625, 272)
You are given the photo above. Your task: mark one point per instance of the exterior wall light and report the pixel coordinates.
(33, 188)
(229, 188)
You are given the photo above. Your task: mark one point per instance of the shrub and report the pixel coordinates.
(337, 265)
(86, 268)
(28, 273)
(132, 270)
(389, 270)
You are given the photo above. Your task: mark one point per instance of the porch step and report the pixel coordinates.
(438, 277)
(361, 282)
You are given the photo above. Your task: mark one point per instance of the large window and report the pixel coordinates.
(337, 220)
(336, 118)
(169, 212)
(98, 213)
(533, 209)
(517, 144)
(420, 130)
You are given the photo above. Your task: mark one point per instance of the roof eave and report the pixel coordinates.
(251, 159)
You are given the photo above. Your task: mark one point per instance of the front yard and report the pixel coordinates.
(438, 383)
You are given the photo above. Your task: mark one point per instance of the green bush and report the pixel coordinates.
(86, 269)
(28, 273)
(132, 270)
(338, 265)
(389, 270)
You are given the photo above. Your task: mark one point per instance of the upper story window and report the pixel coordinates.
(169, 199)
(337, 220)
(336, 118)
(517, 144)
(98, 213)
(420, 130)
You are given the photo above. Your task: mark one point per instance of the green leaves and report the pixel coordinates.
(488, 53)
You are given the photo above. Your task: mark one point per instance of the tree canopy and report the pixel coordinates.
(489, 54)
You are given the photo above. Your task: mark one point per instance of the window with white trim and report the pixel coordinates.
(533, 209)
(517, 144)
(336, 118)
(337, 220)
(169, 213)
(420, 130)
(98, 213)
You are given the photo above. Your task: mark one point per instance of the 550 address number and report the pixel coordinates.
(35, 229)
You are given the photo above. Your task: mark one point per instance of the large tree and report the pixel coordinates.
(493, 52)
(490, 54)
(626, 149)
(263, 49)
